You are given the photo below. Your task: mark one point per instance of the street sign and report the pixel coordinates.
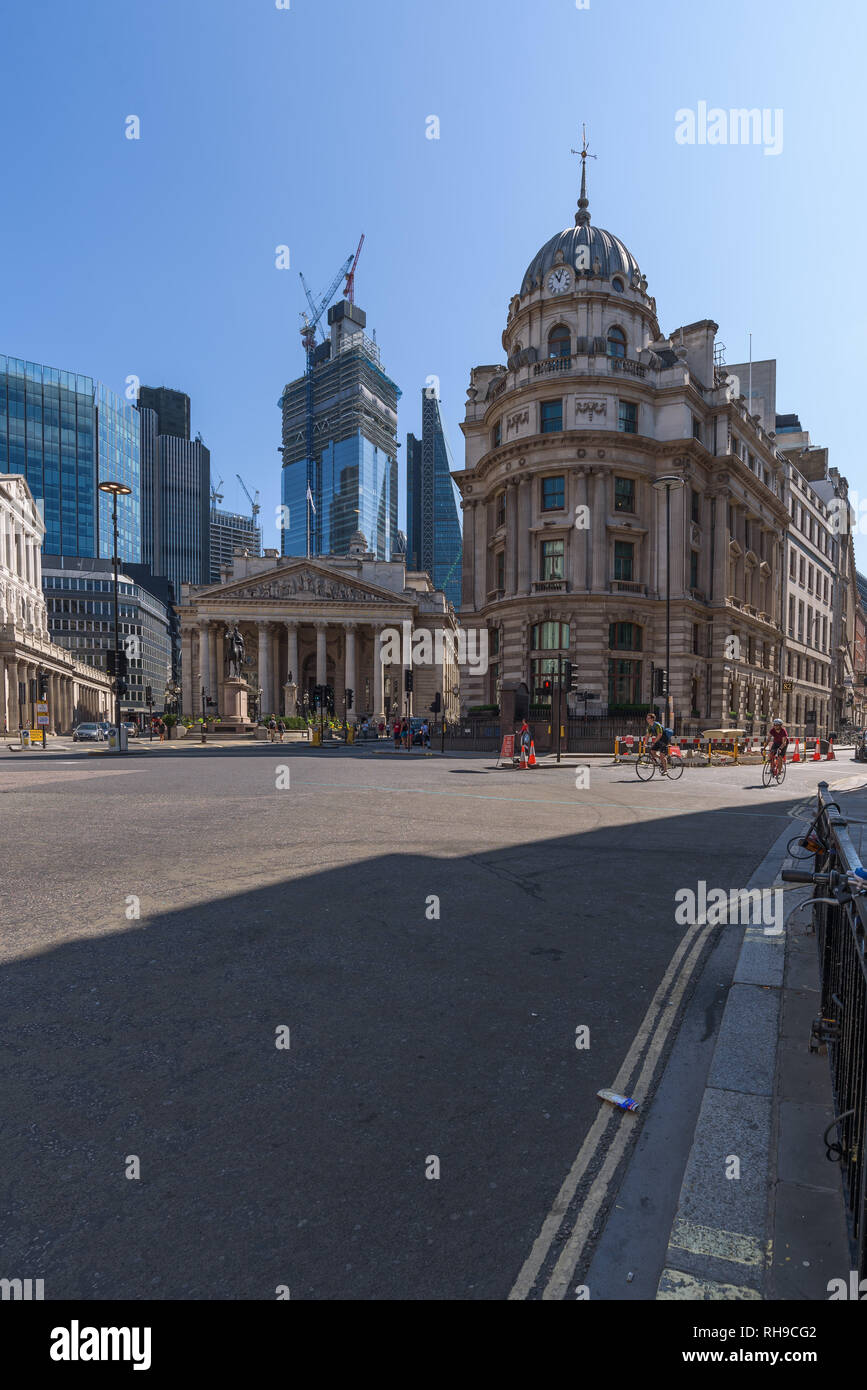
(42, 714)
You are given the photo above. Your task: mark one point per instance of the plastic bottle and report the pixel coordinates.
(622, 1102)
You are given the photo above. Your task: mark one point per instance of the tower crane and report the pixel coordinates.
(216, 494)
(349, 287)
(254, 505)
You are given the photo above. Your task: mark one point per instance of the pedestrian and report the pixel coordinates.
(282, 727)
(272, 729)
(425, 735)
(382, 728)
(397, 733)
(161, 729)
(524, 738)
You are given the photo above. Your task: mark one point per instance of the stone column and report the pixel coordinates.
(218, 666)
(321, 655)
(511, 538)
(187, 670)
(469, 554)
(525, 521)
(581, 535)
(17, 673)
(4, 699)
(349, 677)
(276, 691)
(293, 672)
(599, 534)
(480, 547)
(378, 704)
(264, 672)
(204, 667)
(53, 702)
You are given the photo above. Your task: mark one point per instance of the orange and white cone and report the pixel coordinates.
(532, 759)
(817, 756)
(523, 762)
(831, 758)
(797, 754)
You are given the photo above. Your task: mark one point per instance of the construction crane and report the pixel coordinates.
(254, 505)
(349, 287)
(216, 494)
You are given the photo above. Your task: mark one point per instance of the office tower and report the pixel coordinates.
(65, 433)
(434, 540)
(352, 474)
(230, 532)
(176, 476)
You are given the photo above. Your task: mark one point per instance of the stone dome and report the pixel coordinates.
(600, 248)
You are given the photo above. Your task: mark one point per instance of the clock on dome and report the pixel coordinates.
(560, 280)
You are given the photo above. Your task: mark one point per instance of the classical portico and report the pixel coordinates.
(308, 622)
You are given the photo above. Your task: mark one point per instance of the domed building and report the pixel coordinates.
(595, 433)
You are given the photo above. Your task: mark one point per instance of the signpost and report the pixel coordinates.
(42, 720)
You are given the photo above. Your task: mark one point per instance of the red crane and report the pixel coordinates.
(349, 287)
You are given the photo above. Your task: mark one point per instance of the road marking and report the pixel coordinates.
(675, 1285)
(719, 1244)
(654, 1023)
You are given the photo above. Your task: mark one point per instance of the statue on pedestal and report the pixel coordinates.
(235, 651)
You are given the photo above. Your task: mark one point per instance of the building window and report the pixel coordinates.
(693, 569)
(623, 559)
(500, 510)
(624, 494)
(553, 559)
(696, 428)
(494, 641)
(695, 506)
(552, 417)
(559, 341)
(624, 682)
(501, 569)
(497, 435)
(625, 637)
(627, 417)
(550, 637)
(553, 494)
(616, 342)
(617, 284)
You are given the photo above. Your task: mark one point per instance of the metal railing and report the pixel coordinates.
(840, 919)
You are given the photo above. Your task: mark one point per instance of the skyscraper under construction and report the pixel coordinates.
(352, 473)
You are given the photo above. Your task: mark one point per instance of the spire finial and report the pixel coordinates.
(582, 216)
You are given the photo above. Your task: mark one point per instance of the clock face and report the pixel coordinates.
(560, 280)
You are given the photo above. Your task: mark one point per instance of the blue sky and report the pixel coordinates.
(306, 126)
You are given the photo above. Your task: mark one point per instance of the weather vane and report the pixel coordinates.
(583, 216)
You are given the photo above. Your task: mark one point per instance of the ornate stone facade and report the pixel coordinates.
(75, 691)
(309, 622)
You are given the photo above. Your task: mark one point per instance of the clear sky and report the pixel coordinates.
(306, 126)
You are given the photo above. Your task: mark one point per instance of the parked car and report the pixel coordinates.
(87, 733)
(132, 729)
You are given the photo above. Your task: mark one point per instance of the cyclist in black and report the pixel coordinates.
(658, 742)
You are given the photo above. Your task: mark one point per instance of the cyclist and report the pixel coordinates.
(778, 742)
(658, 742)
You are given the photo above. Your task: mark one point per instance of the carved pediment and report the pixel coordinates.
(302, 582)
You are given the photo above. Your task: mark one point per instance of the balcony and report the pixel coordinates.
(550, 586)
(627, 586)
(617, 366)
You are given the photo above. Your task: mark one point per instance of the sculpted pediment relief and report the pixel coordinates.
(304, 584)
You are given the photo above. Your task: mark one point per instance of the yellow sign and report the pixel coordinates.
(35, 735)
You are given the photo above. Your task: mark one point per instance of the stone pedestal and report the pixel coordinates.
(235, 692)
(290, 699)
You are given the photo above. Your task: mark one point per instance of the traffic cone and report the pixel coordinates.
(532, 762)
(817, 756)
(523, 762)
(797, 754)
(830, 758)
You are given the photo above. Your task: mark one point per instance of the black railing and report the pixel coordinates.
(840, 918)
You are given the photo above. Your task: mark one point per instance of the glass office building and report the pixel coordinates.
(176, 481)
(353, 472)
(434, 538)
(65, 432)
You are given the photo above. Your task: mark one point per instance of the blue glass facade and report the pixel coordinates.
(64, 432)
(434, 540)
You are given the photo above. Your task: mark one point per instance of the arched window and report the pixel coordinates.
(559, 341)
(616, 342)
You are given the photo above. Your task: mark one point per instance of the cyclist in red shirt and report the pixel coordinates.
(778, 742)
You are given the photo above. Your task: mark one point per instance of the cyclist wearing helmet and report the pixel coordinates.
(777, 741)
(658, 741)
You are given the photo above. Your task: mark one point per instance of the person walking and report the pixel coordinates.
(425, 735)
(161, 729)
(272, 729)
(524, 739)
(397, 733)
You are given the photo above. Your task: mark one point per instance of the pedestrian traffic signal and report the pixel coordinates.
(547, 686)
(407, 680)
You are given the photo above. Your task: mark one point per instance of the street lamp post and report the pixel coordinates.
(668, 481)
(116, 490)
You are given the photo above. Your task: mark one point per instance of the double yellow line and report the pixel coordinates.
(612, 1131)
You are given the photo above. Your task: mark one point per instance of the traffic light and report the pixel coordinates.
(149, 695)
(437, 704)
(660, 681)
(575, 673)
(547, 686)
(350, 695)
(407, 680)
(43, 684)
(567, 675)
(122, 686)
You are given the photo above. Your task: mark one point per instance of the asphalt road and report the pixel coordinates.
(416, 1032)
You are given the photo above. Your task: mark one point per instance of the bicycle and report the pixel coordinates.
(647, 763)
(773, 769)
(809, 844)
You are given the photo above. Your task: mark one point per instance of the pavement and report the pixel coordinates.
(275, 1016)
